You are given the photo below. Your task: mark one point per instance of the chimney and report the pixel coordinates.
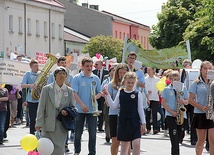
(95, 7)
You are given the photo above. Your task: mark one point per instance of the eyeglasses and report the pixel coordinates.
(175, 79)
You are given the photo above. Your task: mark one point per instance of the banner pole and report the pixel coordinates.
(124, 48)
(188, 50)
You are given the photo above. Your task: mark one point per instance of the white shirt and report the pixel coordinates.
(151, 86)
(58, 93)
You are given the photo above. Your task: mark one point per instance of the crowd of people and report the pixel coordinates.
(122, 101)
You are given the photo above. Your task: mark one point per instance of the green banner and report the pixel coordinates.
(169, 58)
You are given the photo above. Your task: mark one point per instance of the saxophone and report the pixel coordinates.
(180, 109)
(43, 76)
(209, 113)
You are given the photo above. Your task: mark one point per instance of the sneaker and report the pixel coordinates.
(166, 133)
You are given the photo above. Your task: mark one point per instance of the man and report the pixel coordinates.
(140, 75)
(100, 72)
(87, 90)
(62, 62)
(151, 81)
(187, 64)
(28, 81)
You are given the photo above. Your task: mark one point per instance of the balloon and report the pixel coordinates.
(33, 153)
(29, 142)
(3, 85)
(45, 146)
(196, 64)
(158, 116)
(160, 85)
(163, 79)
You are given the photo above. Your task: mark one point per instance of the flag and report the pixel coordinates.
(169, 58)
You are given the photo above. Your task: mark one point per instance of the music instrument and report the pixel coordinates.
(180, 109)
(95, 110)
(43, 76)
(209, 112)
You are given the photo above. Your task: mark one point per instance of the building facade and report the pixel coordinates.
(30, 26)
(92, 22)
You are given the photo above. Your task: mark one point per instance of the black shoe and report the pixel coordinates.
(66, 148)
(193, 142)
(155, 132)
(107, 139)
(101, 130)
(1, 142)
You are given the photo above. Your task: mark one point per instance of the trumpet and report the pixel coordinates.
(95, 110)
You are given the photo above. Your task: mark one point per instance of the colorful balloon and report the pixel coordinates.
(160, 85)
(45, 146)
(33, 153)
(29, 142)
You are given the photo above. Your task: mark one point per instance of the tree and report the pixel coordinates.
(106, 46)
(201, 32)
(173, 21)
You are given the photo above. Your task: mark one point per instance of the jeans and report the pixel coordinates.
(3, 115)
(92, 130)
(32, 115)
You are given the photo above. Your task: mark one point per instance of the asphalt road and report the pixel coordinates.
(150, 144)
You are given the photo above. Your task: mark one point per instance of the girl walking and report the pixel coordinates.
(131, 118)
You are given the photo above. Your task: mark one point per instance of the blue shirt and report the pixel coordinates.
(140, 77)
(169, 94)
(30, 78)
(82, 85)
(200, 91)
(113, 93)
(52, 79)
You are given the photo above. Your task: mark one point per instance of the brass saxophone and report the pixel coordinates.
(209, 113)
(180, 109)
(43, 76)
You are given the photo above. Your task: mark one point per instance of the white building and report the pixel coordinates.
(28, 26)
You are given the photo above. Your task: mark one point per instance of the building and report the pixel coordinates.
(29, 26)
(91, 22)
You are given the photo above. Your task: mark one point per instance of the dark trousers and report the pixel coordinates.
(190, 113)
(153, 108)
(19, 107)
(100, 102)
(7, 122)
(106, 119)
(176, 134)
(32, 114)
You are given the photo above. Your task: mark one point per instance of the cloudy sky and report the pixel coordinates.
(142, 11)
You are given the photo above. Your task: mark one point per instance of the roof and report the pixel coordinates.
(119, 18)
(70, 35)
(51, 2)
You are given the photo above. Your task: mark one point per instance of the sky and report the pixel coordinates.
(142, 11)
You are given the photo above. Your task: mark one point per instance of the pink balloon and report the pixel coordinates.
(33, 153)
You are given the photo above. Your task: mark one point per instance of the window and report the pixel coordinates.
(120, 35)
(53, 30)
(60, 31)
(10, 23)
(37, 28)
(29, 26)
(45, 29)
(115, 34)
(20, 25)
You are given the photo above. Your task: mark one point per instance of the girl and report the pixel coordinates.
(131, 116)
(198, 98)
(170, 103)
(113, 87)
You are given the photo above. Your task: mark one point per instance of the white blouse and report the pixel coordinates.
(58, 93)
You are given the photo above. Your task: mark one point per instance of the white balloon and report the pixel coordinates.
(196, 64)
(158, 116)
(45, 146)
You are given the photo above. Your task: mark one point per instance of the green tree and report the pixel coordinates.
(173, 21)
(201, 32)
(106, 46)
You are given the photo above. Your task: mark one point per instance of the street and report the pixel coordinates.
(150, 144)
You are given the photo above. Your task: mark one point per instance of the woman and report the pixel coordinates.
(54, 97)
(198, 98)
(113, 88)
